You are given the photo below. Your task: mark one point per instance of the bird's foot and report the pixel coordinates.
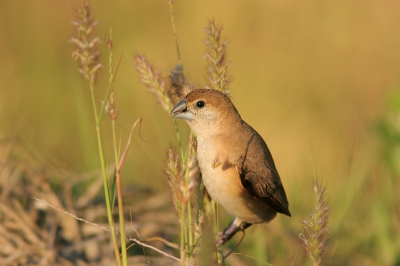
(230, 231)
(222, 239)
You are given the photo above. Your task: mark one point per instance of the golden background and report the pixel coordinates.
(314, 78)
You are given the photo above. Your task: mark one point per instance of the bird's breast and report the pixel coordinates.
(220, 177)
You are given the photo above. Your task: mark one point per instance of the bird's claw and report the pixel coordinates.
(221, 239)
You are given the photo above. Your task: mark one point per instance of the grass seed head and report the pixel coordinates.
(156, 84)
(86, 53)
(216, 57)
(315, 237)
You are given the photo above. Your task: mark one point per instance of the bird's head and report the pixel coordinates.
(207, 111)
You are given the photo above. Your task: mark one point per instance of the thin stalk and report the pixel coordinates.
(178, 136)
(174, 30)
(108, 93)
(187, 235)
(116, 146)
(186, 241)
(184, 237)
(190, 227)
(215, 210)
(182, 218)
(121, 220)
(183, 252)
(187, 158)
(118, 164)
(180, 63)
(119, 194)
(200, 202)
(105, 180)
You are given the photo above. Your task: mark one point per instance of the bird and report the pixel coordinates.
(237, 168)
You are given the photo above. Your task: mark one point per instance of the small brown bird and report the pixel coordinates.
(236, 165)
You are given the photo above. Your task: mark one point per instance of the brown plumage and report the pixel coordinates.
(236, 164)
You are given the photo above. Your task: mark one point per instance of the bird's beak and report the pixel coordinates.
(180, 111)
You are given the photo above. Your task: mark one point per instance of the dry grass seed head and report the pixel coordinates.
(315, 237)
(174, 173)
(179, 83)
(154, 81)
(215, 54)
(86, 52)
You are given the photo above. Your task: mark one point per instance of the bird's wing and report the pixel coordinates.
(259, 176)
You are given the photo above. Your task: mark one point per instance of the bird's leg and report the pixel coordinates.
(231, 230)
(240, 241)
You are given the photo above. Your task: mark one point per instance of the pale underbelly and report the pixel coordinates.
(226, 189)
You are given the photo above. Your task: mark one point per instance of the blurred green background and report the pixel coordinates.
(318, 80)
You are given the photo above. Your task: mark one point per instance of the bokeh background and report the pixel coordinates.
(318, 80)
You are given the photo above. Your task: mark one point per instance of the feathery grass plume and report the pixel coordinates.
(86, 53)
(180, 191)
(217, 63)
(177, 77)
(179, 83)
(315, 237)
(175, 180)
(192, 166)
(154, 81)
(110, 108)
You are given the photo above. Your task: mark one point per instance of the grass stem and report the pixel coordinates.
(105, 179)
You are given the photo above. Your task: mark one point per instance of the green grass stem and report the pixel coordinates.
(105, 180)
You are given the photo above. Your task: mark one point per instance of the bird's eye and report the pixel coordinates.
(201, 104)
